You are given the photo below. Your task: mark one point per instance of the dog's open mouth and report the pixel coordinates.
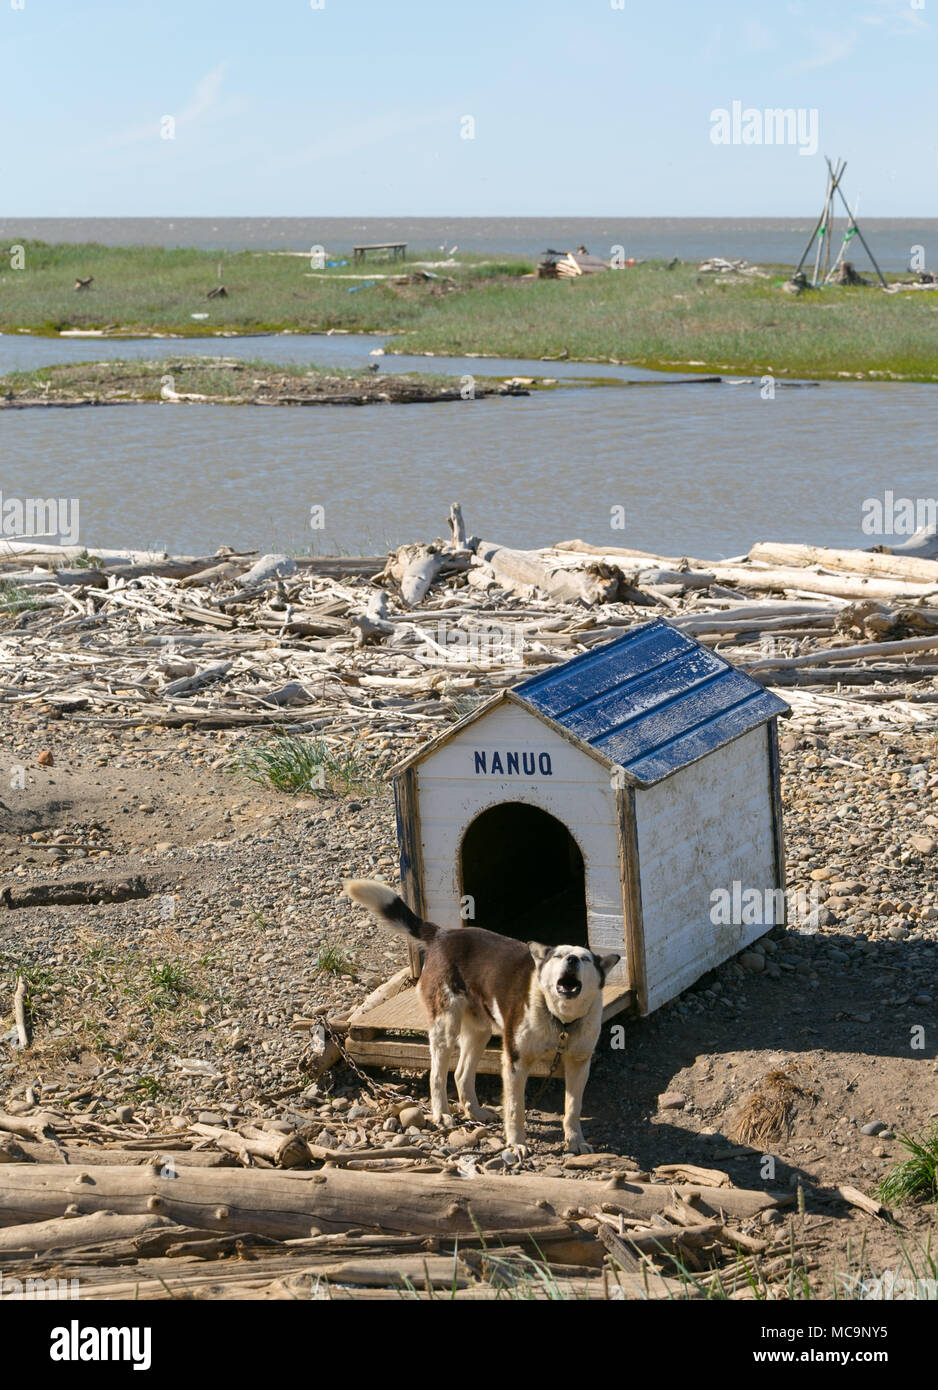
(568, 986)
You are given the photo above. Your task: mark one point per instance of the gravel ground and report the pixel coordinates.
(180, 1003)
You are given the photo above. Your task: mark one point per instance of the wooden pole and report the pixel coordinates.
(817, 227)
(849, 232)
(822, 233)
(853, 224)
(829, 238)
(824, 241)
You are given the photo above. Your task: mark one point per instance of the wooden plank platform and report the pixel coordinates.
(376, 1038)
(398, 249)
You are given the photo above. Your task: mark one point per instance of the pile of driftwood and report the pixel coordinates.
(381, 651)
(112, 1211)
(925, 280)
(718, 266)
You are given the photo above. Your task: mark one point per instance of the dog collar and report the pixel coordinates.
(564, 1027)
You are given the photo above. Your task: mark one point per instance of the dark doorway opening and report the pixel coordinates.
(525, 872)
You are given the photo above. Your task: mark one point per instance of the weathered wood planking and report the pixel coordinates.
(404, 1014)
(700, 831)
(405, 1011)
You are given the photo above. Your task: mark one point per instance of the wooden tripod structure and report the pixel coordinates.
(823, 234)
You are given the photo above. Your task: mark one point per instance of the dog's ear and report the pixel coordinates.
(605, 963)
(539, 951)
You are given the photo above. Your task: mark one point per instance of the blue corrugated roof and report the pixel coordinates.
(651, 701)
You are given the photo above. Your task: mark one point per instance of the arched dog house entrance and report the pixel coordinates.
(523, 874)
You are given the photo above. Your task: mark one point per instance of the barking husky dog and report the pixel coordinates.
(545, 1001)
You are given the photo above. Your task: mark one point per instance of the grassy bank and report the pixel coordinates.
(648, 315)
(218, 381)
(148, 290)
(679, 319)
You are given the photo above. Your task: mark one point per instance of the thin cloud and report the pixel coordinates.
(205, 97)
(898, 16)
(756, 37)
(828, 49)
(365, 135)
(204, 100)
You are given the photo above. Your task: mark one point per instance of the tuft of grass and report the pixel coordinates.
(287, 762)
(503, 270)
(915, 1179)
(15, 599)
(168, 983)
(355, 766)
(37, 978)
(147, 1087)
(331, 961)
(292, 763)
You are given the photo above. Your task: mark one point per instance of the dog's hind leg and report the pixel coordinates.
(576, 1072)
(444, 1030)
(472, 1040)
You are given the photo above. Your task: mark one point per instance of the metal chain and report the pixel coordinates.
(378, 1089)
(561, 1046)
(382, 1091)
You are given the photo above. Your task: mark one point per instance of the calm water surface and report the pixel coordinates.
(700, 470)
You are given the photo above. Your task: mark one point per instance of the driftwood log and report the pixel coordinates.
(297, 1204)
(874, 651)
(63, 1232)
(282, 1150)
(372, 624)
(415, 567)
(19, 1013)
(523, 570)
(812, 580)
(890, 566)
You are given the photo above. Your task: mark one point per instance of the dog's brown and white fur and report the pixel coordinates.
(476, 982)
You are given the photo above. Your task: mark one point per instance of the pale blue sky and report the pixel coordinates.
(355, 109)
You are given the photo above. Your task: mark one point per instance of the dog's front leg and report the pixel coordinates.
(576, 1072)
(514, 1079)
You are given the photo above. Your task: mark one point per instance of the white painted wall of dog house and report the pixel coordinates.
(452, 791)
(703, 828)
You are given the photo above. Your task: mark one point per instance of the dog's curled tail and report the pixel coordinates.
(390, 910)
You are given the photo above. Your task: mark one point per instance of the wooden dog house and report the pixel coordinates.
(601, 802)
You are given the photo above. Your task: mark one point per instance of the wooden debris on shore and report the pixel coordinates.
(569, 265)
(131, 1213)
(383, 652)
(262, 1209)
(716, 265)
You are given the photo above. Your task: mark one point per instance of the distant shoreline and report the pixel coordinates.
(773, 239)
(672, 316)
